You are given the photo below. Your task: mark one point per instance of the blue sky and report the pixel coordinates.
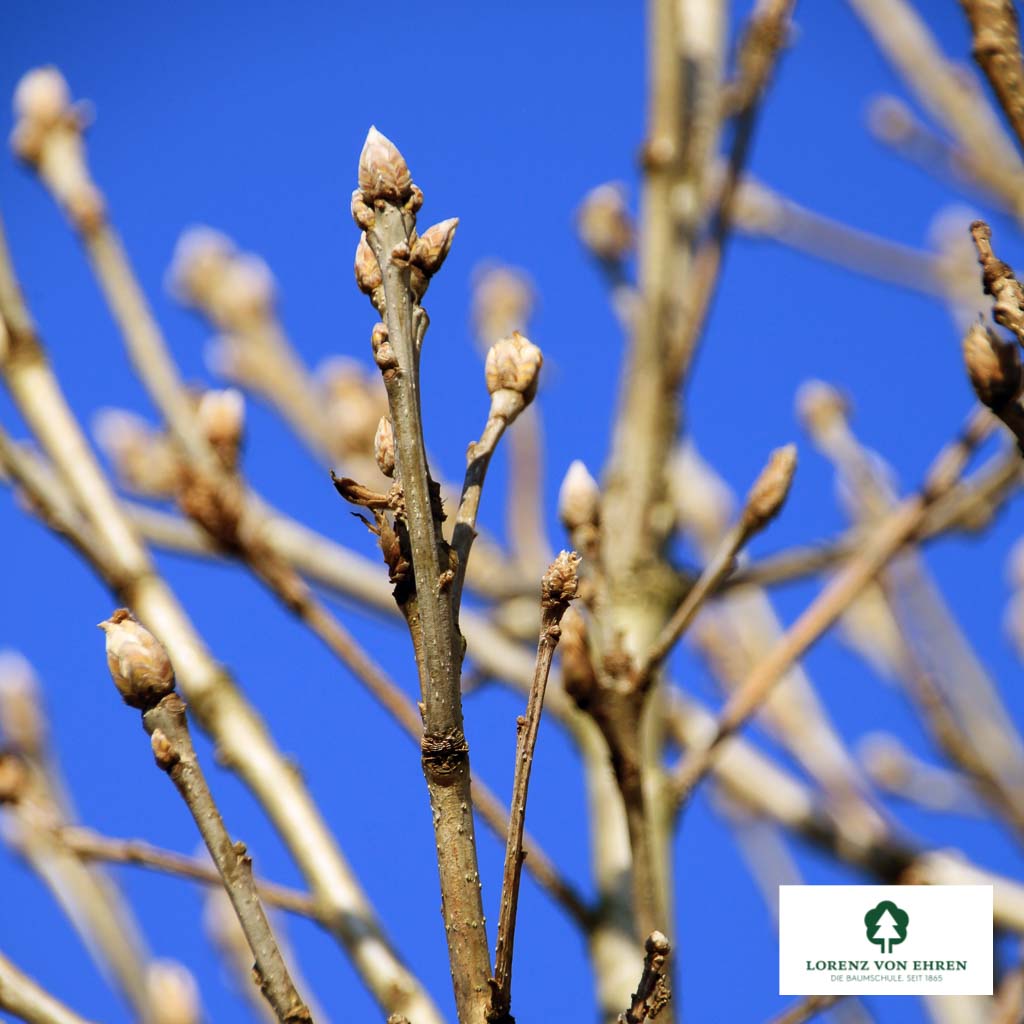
(250, 118)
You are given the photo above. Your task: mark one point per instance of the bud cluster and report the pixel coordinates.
(48, 136)
(234, 289)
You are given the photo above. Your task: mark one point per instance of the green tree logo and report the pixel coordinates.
(886, 925)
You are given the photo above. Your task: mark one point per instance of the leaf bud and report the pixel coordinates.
(138, 663)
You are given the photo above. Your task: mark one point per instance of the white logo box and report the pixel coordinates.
(940, 938)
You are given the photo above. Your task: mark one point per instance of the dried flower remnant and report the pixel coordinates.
(993, 366)
(999, 281)
(138, 663)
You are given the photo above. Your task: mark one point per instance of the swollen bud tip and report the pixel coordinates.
(512, 371)
(383, 172)
(770, 489)
(579, 498)
(138, 663)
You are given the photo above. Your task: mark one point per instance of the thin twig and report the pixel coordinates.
(558, 588)
(90, 845)
(887, 538)
(763, 40)
(21, 996)
(109, 542)
(996, 31)
(385, 207)
(172, 746)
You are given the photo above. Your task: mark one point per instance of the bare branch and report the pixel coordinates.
(887, 538)
(654, 990)
(90, 845)
(20, 995)
(996, 31)
(558, 588)
(385, 206)
(144, 677)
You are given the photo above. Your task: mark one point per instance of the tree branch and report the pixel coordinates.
(885, 540)
(20, 995)
(558, 588)
(143, 675)
(385, 206)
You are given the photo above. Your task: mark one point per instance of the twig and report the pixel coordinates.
(144, 677)
(762, 43)
(90, 845)
(95, 907)
(999, 281)
(965, 507)
(21, 996)
(513, 365)
(502, 303)
(886, 539)
(110, 544)
(906, 41)
(805, 1009)
(760, 212)
(996, 31)
(385, 207)
(558, 588)
(762, 505)
(654, 991)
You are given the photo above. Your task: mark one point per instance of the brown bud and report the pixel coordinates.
(769, 492)
(431, 248)
(146, 461)
(163, 750)
(578, 676)
(993, 366)
(820, 407)
(579, 498)
(885, 759)
(368, 275)
(384, 446)
(890, 119)
(173, 995)
(42, 96)
(383, 172)
(502, 302)
(559, 584)
(138, 663)
(200, 259)
(246, 293)
(604, 224)
(512, 371)
(14, 777)
(222, 416)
